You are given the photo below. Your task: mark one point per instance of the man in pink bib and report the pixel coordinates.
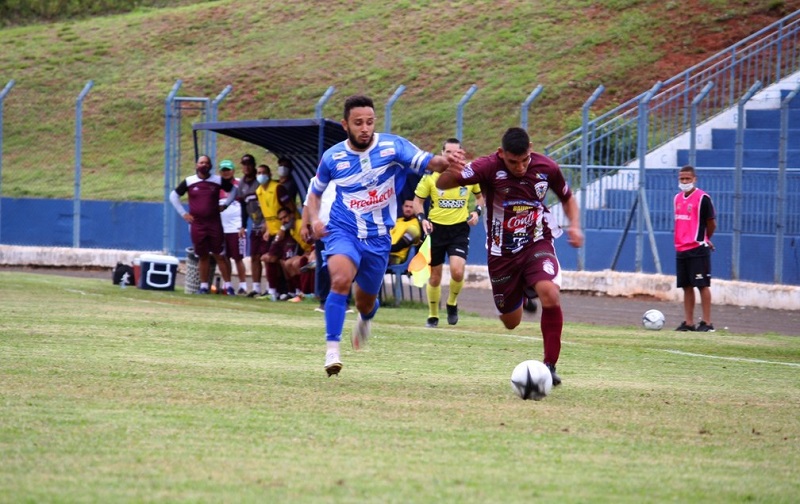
(695, 222)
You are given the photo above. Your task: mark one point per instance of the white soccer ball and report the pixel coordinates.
(653, 320)
(531, 379)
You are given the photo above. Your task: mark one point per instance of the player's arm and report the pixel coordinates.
(175, 199)
(476, 214)
(419, 211)
(231, 196)
(574, 232)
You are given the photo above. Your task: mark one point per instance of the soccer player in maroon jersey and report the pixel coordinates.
(520, 231)
(203, 217)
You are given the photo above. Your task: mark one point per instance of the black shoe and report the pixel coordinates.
(685, 327)
(432, 322)
(556, 379)
(703, 327)
(253, 294)
(529, 305)
(452, 314)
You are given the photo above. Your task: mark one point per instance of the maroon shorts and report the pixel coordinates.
(234, 246)
(207, 237)
(283, 249)
(258, 246)
(512, 276)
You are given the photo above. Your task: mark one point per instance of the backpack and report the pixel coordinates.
(119, 272)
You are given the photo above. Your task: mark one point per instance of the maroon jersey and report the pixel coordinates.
(204, 195)
(516, 215)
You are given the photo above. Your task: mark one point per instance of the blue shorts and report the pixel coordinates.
(370, 255)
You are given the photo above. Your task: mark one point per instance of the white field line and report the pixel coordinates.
(737, 359)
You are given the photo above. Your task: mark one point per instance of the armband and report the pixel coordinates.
(421, 217)
(479, 210)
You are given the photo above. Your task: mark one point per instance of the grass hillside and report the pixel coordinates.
(280, 57)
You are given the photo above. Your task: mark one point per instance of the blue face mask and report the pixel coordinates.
(262, 179)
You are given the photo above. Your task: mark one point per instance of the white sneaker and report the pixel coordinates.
(332, 363)
(361, 333)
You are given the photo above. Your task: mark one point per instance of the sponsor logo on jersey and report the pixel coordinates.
(501, 280)
(467, 172)
(541, 176)
(501, 175)
(462, 191)
(449, 203)
(342, 165)
(499, 300)
(521, 221)
(549, 267)
(387, 152)
(373, 200)
(339, 155)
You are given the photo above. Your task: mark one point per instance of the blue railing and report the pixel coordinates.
(767, 56)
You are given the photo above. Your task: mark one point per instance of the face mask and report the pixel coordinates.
(262, 179)
(686, 187)
(204, 171)
(282, 171)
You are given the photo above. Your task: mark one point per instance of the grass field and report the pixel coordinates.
(112, 395)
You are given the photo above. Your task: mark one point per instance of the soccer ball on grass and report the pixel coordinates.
(531, 379)
(653, 320)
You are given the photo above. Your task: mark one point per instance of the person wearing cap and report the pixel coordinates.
(235, 234)
(203, 217)
(248, 185)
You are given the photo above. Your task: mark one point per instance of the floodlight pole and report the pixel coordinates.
(523, 112)
(213, 117)
(76, 200)
(168, 234)
(387, 124)
(585, 167)
(460, 112)
(3, 94)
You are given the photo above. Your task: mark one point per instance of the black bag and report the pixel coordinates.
(119, 273)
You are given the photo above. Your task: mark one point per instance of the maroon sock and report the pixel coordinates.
(552, 322)
(273, 275)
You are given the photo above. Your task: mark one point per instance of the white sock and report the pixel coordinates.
(226, 285)
(243, 285)
(333, 346)
(204, 285)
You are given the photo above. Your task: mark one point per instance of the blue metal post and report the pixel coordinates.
(318, 114)
(523, 110)
(644, 212)
(169, 232)
(387, 122)
(76, 200)
(737, 181)
(781, 200)
(585, 165)
(460, 112)
(214, 116)
(693, 123)
(3, 94)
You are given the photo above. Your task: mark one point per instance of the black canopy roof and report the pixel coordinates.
(301, 140)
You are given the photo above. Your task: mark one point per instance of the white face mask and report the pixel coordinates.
(686, 187)
(262, 179)
(282, 171)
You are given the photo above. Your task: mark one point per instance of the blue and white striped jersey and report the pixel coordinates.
(367, 182)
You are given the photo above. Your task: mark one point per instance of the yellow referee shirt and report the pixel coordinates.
(447, 206)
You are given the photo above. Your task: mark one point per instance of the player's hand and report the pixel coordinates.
(473, 218)
(266, 235)
(306, 234)
(711, 246)
(319, 229)
(242, 232)
(575, 236)
(427, 226)
(188, 217)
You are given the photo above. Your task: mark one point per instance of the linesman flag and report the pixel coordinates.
(420, 265)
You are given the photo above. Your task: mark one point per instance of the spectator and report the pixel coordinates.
(405, 233)
(248, 185)
(287, 188)
(296, 251)
(267, 194)
(235, 234)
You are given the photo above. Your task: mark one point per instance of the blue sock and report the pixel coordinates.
(371, 314)
(335, 308)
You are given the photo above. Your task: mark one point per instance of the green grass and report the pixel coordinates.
(112, 395)
(280, 57)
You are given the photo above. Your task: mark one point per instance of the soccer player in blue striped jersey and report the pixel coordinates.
(369, 169)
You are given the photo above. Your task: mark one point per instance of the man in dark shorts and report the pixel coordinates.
(252, 178)
(205, 225)
(520, 231)
(695, 223)
(447, 223)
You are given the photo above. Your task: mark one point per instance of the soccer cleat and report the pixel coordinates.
(452, 314)
(703, 327)
(556, 378)
(284, 297)
(229, 291)
(361, 333)
(296, 299)
(332, 363)
(320, 309)
(432, 322)
(253, 293)
(241, 292)
(685, 327)
(203, 290)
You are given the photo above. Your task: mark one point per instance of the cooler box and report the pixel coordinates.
(157, 272)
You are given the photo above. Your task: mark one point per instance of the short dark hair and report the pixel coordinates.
(516, 141)
(266, 167)
(688, 168)
(285, 161)
(356, 101)
(284, 209)
(248, 159)
(451, 140)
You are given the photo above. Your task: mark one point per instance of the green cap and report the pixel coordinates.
(226, 164)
